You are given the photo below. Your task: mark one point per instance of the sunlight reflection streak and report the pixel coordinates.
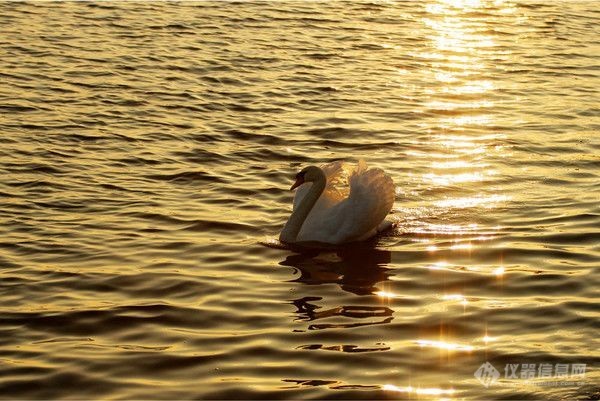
(445, 345)
(420, 391)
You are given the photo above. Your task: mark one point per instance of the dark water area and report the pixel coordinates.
(146, 152)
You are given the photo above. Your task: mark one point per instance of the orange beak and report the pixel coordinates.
(299, 181)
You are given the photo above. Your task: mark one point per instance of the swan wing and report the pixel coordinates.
(355, 201)
(371, 198)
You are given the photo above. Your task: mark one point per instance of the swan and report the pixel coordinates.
(339, 203)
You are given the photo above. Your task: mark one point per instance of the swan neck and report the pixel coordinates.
(294, 225)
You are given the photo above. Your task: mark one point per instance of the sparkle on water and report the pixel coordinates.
(163, 137)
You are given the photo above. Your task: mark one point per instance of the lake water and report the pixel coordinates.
(146, 154)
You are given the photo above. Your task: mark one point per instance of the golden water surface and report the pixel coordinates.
(147, 148)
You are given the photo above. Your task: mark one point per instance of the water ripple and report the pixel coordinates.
(147, 153)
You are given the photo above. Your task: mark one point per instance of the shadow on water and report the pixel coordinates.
(356, 271)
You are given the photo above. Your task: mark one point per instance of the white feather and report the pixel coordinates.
(354, 203)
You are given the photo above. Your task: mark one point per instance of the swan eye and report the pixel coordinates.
(300, 174)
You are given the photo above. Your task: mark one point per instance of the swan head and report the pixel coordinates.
(308, 174)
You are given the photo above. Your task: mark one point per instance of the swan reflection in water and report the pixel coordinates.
(356, 271)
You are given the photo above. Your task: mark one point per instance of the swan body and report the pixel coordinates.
(339, 203)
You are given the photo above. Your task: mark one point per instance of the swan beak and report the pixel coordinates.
(299, 181)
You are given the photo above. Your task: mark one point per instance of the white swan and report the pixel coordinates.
(339, 203)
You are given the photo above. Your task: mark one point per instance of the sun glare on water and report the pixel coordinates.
(445, 345)
(462, 105)
(418, 390)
